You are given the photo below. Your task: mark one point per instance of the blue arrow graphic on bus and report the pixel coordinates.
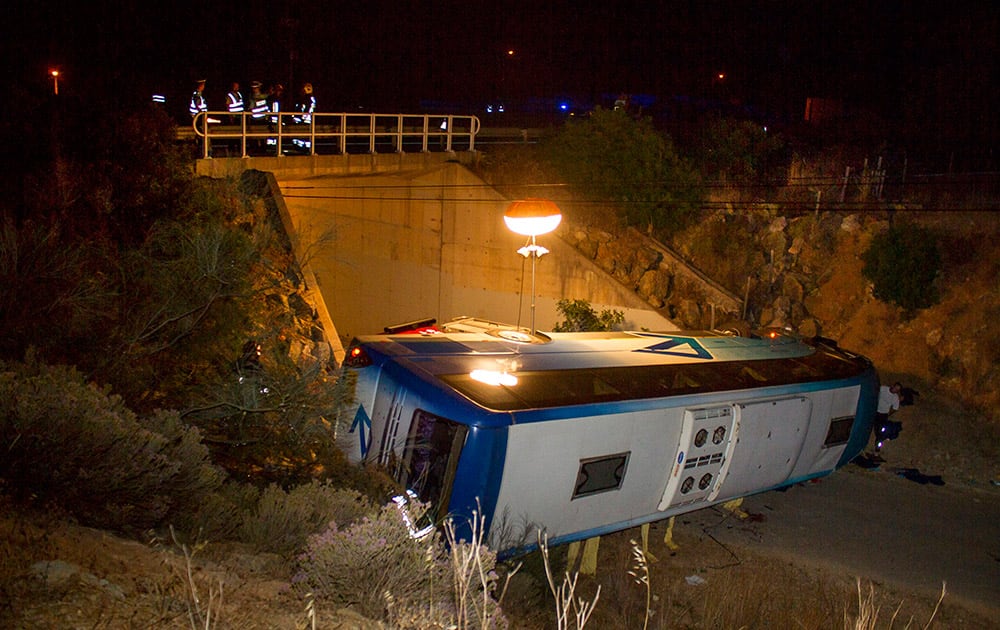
(362, 422)
(679, 346)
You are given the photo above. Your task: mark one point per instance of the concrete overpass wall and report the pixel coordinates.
(430, 241)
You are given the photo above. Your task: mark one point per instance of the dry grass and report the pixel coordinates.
(734, 588)
(868, 611)
(123, 584)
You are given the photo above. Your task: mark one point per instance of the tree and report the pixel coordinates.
(56, 292)
(739, 152)
(903, 263)
(187, 301)
(611, 157)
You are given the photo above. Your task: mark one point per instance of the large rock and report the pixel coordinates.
(656, 286)
(792, 288)
(809, 327)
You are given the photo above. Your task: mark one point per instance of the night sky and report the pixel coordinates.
(930, 61)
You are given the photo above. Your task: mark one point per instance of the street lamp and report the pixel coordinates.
(532, 217)
(55, 81)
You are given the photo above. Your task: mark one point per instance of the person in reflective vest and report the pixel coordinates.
(275, 96)
(274, 99)
(198, 103)
(258, 103)
(234, 101)
(306, 105)
(305, 108)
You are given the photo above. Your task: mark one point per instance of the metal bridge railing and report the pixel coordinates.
(286, 133)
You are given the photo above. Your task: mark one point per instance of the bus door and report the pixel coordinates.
(772, 433)
(708, 436)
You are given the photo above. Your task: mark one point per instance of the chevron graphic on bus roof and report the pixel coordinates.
(679, 346)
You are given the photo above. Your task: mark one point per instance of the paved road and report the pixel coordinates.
(882, 526)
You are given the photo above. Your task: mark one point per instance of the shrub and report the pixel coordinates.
(45, 270)
(281, 522)
(581, 317)
(359, 565)
(378, 567)
(903, 264)
(476, 584)
(220, 515)
(273, 422)
(69, 442)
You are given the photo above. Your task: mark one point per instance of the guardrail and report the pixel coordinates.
(285, 133)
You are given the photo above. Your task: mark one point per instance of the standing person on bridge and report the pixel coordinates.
(198, 103)
(258, 109)
(305, 107)
(275, 100)
(275, 97)
(234, 101)
(258, 103)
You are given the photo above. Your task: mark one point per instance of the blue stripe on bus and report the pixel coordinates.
(863, 418)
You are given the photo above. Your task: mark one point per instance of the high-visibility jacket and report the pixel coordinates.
(258, 108)
(307, 107)
(275, 107)
(198, 103)
(235, 100)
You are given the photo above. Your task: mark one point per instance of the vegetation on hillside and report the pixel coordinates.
(903, 264)
(152, 283)
(582, 317)
(608, 156)
(742, 154)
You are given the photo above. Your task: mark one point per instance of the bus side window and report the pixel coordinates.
(600, 474)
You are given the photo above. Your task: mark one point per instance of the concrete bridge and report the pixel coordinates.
(390, 238)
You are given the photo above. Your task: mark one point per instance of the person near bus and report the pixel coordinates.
(888, 404)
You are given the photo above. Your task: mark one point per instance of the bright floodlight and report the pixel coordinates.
(532, 216)
(492, 377)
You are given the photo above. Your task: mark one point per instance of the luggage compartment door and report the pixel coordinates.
(770, 441)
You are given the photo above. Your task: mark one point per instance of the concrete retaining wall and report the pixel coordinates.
(428, 240)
